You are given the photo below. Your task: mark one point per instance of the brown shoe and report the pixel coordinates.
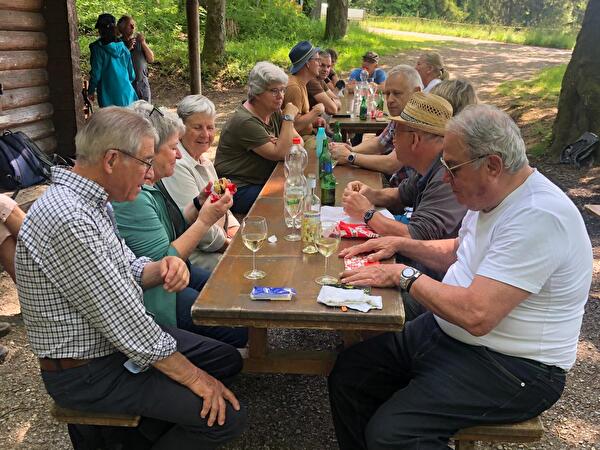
(4, 328)
(3, 353)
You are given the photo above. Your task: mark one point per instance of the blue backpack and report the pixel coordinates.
(22, 163)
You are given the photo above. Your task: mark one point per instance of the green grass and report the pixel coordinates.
(543, 37)
(541, 91)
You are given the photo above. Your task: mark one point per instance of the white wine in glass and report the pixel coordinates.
(327, 243)
(254, 234)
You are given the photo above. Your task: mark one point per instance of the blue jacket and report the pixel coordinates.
(112, 74)
(378, 75)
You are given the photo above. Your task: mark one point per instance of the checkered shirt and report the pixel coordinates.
(78, 283)
(386, 138)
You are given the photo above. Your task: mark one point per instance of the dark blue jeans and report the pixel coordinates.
(238, 337)
(416, 388)
(245, 197)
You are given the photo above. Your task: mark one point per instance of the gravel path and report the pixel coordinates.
(292, 412)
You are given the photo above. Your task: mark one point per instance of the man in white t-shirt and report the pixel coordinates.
(503, 325)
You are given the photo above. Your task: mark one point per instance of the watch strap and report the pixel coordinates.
(197, 203)
(368, 215)
(412, 280)
(287, 117)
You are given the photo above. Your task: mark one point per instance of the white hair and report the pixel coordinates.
(487, 130)
(165, 122)
(262, 75)
(409, 73)
(194, 104)
(112, 128)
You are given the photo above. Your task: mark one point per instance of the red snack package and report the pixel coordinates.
(356, 262)
(356, 231)
(215, 190)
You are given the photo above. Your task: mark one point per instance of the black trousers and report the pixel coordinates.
(170, 412)
(416, 388)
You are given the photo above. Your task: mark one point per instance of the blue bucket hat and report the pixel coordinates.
(300, 54)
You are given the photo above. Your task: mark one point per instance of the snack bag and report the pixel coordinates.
(215, 190)
(356, 230)
(356, 262)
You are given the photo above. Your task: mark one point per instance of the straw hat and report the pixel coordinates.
(426, 112)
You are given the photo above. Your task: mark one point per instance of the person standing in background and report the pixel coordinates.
(141, 56)
(111, 71)
(430, 66)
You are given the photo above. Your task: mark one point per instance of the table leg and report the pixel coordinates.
(257, 342)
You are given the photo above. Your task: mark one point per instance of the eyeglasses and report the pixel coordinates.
(148, 164)
(275, 92)
(451, 170)
(155, 109)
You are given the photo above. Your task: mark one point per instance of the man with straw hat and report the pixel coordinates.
(502, 327)
(418, 142)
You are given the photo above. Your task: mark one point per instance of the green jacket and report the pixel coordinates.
(148, 230)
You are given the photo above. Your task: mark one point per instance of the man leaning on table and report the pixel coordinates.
(502, 328)
(80, 290)
(377, 153)
(418, 142)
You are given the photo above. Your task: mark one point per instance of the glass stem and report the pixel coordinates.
(253, 261)
(326, 261)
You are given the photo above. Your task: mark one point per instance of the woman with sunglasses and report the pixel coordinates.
(257, 135)
(153, 225)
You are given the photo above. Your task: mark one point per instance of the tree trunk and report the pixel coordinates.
(315, 14)
(213, 51)
(193, 29)
(579, 102)
(337, 19)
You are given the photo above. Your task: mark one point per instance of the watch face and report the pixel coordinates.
(408, 272)
(351, 158)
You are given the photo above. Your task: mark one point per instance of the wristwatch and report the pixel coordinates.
(351, 158)
(368, 215)
(408, 277)
(287, 117)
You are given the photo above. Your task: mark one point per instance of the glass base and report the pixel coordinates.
(310, 249)
(326, 279)
(255, 274)
(293, 237)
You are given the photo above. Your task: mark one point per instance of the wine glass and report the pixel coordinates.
(254, 234)
(293, 200)
(327, 243)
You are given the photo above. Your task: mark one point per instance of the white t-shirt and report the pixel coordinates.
(433, 83)
(534, 240)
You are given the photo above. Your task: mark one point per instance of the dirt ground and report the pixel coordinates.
(292, 412)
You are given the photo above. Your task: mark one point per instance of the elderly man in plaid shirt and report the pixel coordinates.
(80, 289)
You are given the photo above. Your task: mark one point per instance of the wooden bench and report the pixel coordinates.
(529, 431)
(27, 196)
(92, 418)
(594, 209)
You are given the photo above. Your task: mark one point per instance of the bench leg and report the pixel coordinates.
(464, 445)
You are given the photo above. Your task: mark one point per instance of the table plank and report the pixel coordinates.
(595, 209)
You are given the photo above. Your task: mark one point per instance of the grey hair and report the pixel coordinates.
(262, 75)
(459, 93)
(165, 122)
(487, 130)
(409, 73)
(112, 128)
(324, 53)
(194, 104)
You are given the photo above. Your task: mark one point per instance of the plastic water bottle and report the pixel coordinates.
(296, 161)
(319, 140)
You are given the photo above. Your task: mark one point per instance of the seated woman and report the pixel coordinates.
(430, 66)
(154, 226)
(194, 171)
(257, 135)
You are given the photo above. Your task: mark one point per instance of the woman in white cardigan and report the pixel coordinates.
(194, 171)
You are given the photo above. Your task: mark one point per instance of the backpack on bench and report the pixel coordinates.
(22, 163)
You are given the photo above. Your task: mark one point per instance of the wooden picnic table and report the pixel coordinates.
(350, 125)
(225, 299)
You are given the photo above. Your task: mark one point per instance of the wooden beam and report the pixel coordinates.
(18, 98)
(23, 60)
(28, 114)
(21, 5)
(21, 21)
(15, 79)
(22, 40)
(193, 27)
(36, 130)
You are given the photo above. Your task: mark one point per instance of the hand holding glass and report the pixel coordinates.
(327, 243)
(254, 234)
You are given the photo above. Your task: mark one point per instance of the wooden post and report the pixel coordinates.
(193, 26)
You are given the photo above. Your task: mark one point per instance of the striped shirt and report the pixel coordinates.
(78, 283)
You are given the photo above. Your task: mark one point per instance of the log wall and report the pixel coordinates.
(39, 72)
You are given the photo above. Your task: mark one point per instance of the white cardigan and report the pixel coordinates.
(189, 179)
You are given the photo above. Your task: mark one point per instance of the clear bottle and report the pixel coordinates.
(310, 217)
(296, 161)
